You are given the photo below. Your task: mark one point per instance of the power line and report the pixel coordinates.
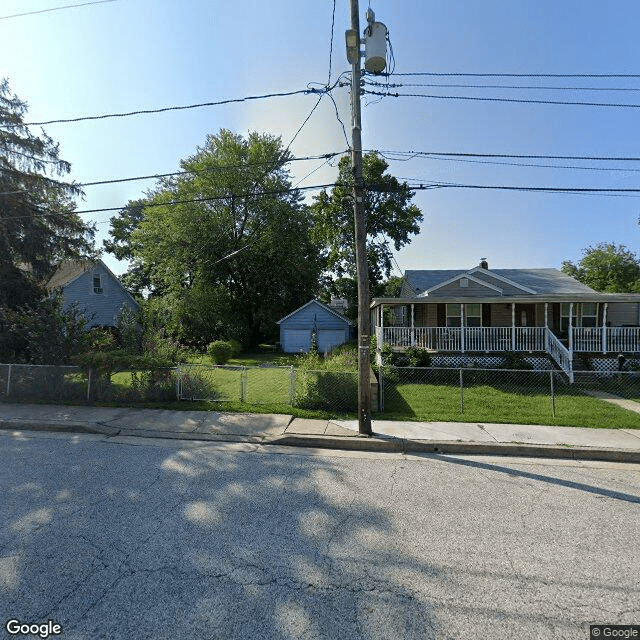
(511, 75)
(325, 156)
(510, 164)
(68, 6)
(512, 100)
(255, 194)
(172, 108)
(510, 155)
(496, 86)
(576, 190)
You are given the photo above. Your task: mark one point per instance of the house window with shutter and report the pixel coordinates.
(97, 283)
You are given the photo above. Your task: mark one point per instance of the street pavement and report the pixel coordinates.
(131, 538)
(619, 445)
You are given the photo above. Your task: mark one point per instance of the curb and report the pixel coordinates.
(401, 445)
(61, 426)
(347, 443)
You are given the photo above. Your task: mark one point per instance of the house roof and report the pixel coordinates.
(320, 304)
(70, 270)
(534, 281)
(67, 272)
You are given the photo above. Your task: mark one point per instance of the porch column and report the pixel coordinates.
(604, 327)
(546, 327)
(413, 328)
(571, 328)
(513, 326)
(462, 327)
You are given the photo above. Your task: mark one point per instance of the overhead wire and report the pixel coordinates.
(391, 94)
(68, 6)
(199, 105)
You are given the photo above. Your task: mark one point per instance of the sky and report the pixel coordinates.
(129, 55)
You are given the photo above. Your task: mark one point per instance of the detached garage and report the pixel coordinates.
(331, 328)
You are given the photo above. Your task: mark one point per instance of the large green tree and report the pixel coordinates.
(391, 221)
(607, 267)
(227, 244)
(38, 223)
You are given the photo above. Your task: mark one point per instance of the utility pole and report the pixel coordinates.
(364, 323)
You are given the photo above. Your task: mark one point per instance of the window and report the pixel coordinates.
(453, 315)
(97, 283)
(473, 315)
(589, 314)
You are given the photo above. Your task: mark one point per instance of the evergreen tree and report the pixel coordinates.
(38, 224)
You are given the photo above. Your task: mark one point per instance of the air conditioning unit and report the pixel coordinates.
(97, 289)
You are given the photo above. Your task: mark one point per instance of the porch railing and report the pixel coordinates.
(606, 339)
(485, 339)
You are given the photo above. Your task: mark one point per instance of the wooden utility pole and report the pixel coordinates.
(364, 323)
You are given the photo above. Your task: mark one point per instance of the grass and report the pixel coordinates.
(485, 403)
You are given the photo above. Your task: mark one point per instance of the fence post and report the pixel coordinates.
(553, 396)
(243, 384)
(89, 386)
(8, 381)
(292, 387)
(178, 382)
(381, 388)
(461, 392)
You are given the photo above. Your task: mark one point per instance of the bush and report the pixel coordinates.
(236, 347)
(220, 351)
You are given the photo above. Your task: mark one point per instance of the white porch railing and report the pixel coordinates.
(559, 353)
(485, 339)
(606, 339)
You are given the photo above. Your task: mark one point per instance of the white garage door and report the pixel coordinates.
(295, 341)
(329, 340)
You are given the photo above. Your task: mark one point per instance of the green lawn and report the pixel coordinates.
(485, 403)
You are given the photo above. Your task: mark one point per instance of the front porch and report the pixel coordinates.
(559, 330)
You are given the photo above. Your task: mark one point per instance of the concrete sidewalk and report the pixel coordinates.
(621, 445)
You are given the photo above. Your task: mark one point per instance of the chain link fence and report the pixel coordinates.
(274, 385)
(429, 393)
(507, 395)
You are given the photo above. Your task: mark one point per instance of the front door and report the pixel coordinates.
(525, 315)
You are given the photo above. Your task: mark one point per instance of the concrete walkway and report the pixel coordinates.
(622, 445)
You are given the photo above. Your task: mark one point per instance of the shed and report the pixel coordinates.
(331, 328)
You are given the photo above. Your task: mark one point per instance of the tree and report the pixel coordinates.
(391, 220)
(607, 267)
(38, 223)
(227, 244)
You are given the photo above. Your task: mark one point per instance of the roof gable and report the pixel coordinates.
(322, 306)
(70, 270)
(512, 281)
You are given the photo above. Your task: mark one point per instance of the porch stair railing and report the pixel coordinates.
(559, 353)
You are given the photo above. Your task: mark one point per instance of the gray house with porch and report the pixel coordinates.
(483, 311)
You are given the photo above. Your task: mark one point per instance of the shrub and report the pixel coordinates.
(236, 347)
(220, 351)
(418, 357)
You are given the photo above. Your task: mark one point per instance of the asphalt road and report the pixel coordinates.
(136, 539)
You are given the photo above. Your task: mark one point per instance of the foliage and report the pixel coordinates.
(511, 360)
(220, 351)
(42, 333)
(129, 329)
(391, 220)
(37, 214)
(235, 254)
(607, 267)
